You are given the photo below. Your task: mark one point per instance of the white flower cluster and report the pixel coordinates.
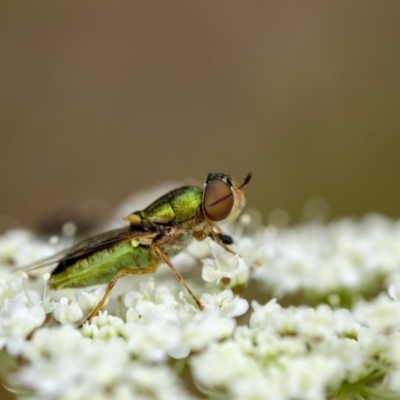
(305, 353)
(346, 257)
(336, 337)
(65, 364)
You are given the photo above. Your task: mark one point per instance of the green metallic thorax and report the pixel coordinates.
(178, 213)
(175, 207)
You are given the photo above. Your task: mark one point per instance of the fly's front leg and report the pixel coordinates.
(219, 237)
(218, 240)
(225, 239)
(122, 272)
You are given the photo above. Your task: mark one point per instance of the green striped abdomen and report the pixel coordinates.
(100, 267)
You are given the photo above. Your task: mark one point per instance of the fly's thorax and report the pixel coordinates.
(175, 207)
(176, 238)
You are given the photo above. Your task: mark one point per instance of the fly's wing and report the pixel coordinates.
(90, 246)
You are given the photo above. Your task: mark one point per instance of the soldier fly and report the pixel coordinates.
(153, 235)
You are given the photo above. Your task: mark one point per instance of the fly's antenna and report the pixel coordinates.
(246, 180)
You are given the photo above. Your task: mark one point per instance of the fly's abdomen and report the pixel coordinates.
(100, 267)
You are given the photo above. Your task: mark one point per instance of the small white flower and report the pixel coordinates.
(155, 382)
(132, 315)
(345, 324)
(228, 304)
(103, 326)
(53, 343)
(373, 343)
(18, 318)
(354, 362)
(314, 324)
(272, 345)
(89, 300)
(383, 314)
(394, 286)
(253, 250)
(67, 311)
(205, 328)
(152, 340)
(222, 364)
(394, 374)
(10, 285)
(394, 379)
(309, 377)
(260, 387)
(32, 251)
(11, 241)
(261, 314)
(225, 266)
(105, 319)
(150, 292)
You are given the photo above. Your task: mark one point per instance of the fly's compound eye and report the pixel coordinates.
(218, 200)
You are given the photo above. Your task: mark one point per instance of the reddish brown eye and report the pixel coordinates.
(217, 200)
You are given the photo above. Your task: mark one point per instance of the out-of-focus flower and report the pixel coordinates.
(19, 316)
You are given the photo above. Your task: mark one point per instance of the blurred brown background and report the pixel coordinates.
(99, 99)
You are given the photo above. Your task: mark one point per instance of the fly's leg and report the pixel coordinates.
(225, 239)
(218, 240)
(164, 258)
(209, 231)
(122, 272)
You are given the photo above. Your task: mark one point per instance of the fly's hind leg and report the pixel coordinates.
(165, 258)
(122, 272)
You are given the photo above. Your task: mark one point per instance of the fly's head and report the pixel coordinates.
(223, 198)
